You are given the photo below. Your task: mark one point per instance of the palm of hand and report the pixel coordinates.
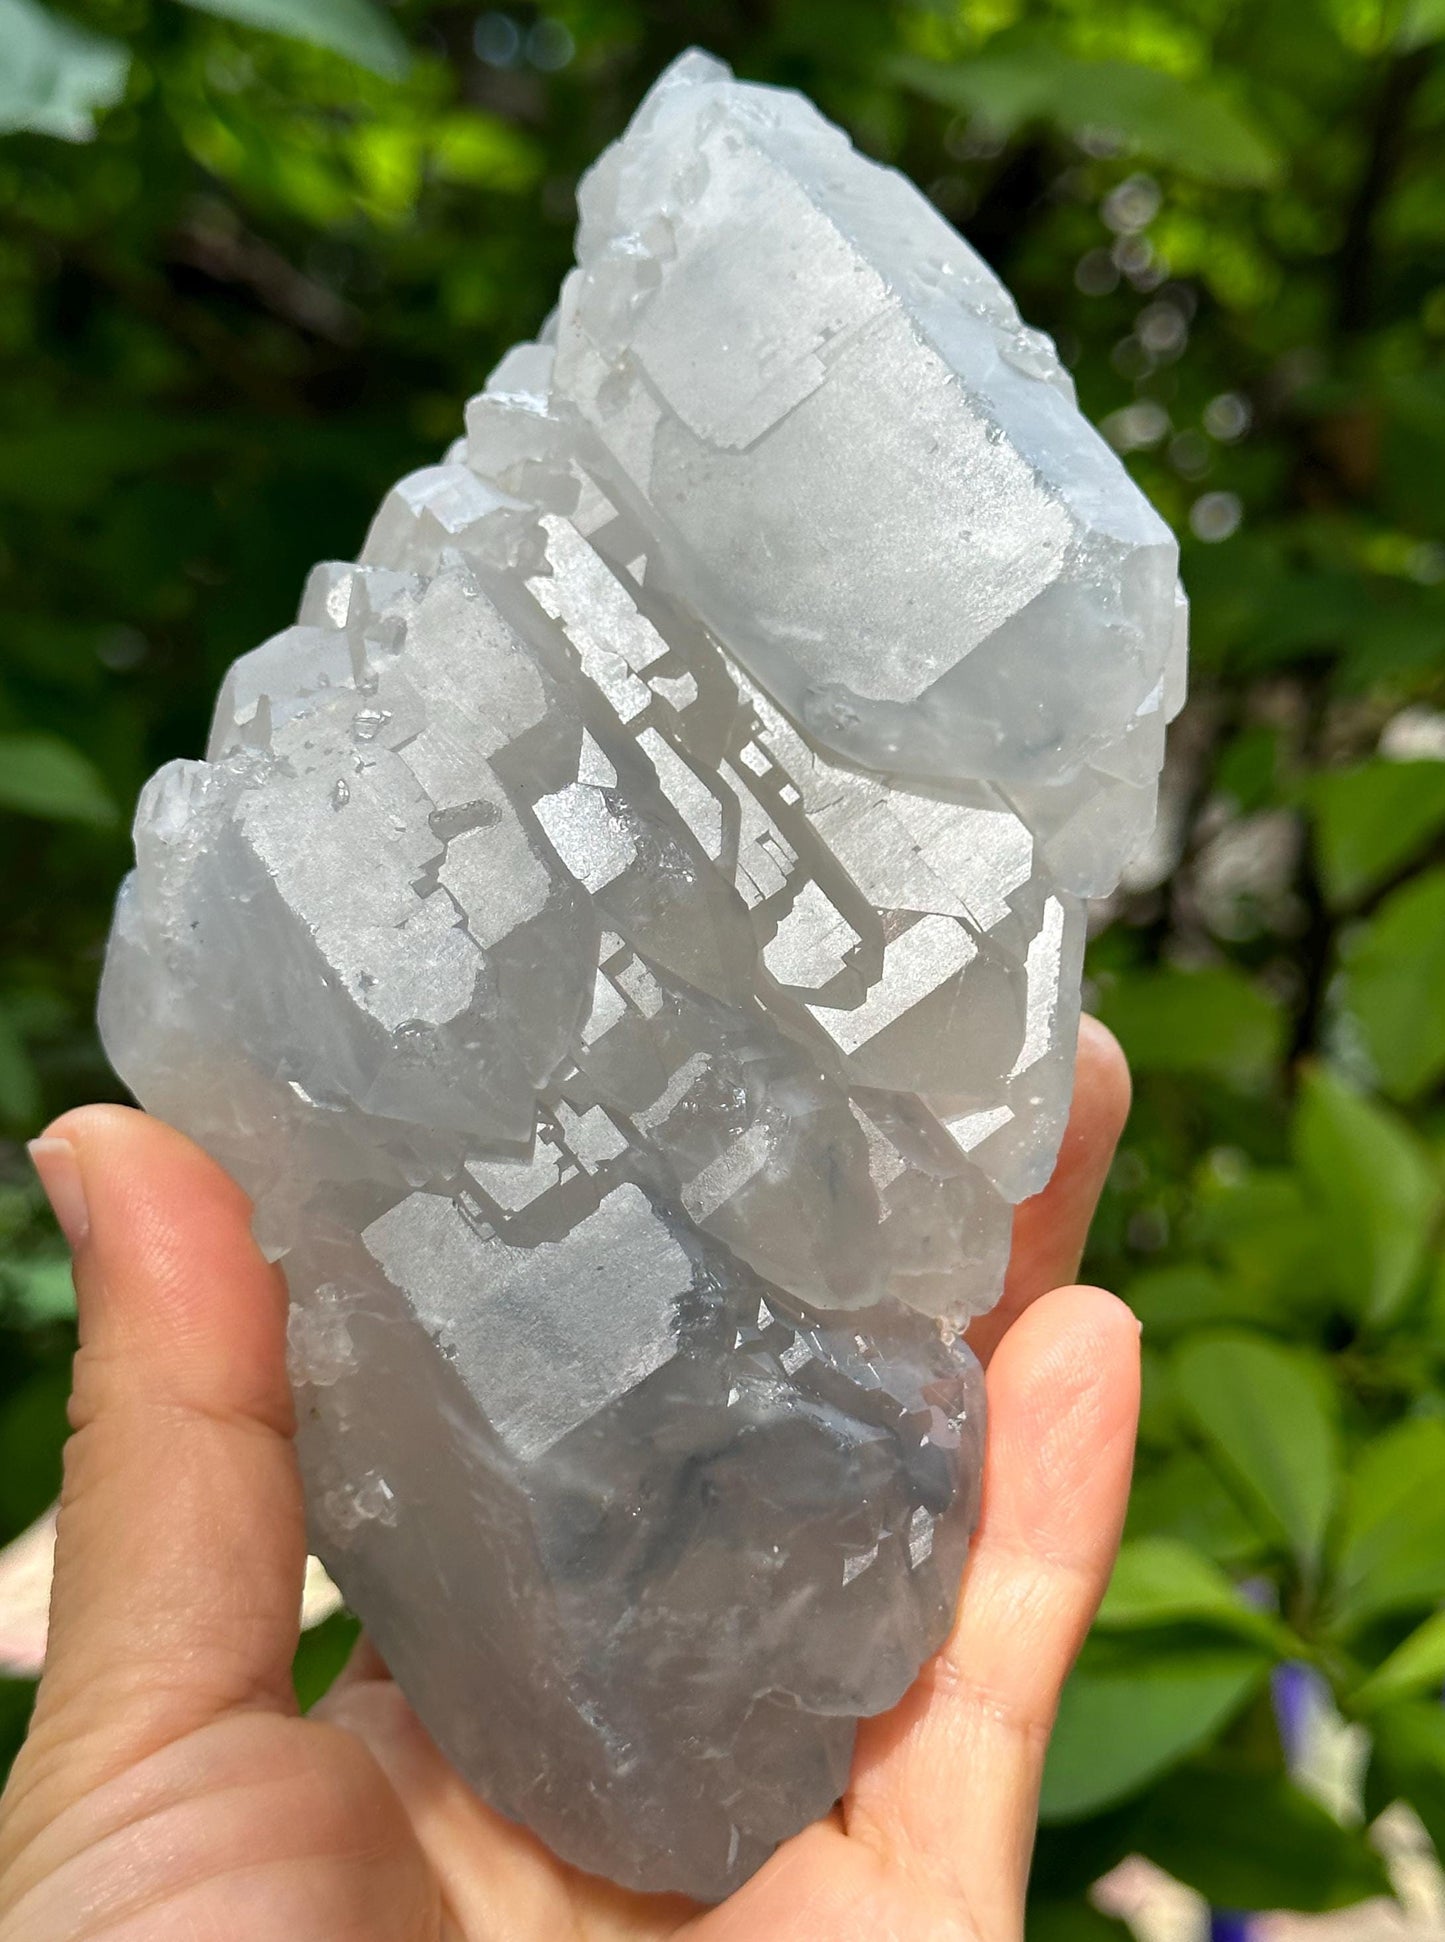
(169, 1788)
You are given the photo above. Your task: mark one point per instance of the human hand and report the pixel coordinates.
(169, 1790)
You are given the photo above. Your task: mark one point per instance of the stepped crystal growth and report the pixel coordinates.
(626, 937)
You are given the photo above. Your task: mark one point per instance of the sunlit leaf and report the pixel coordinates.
(1416, 1664)
(353, 28)
(1375, 1190)
(390, 163)
(54, 76)
(1190, 125)
(1268, 1416)
(42, 776)
(484, 152)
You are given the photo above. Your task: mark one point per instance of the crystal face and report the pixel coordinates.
(626, 937)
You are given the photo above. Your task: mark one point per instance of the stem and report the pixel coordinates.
(1386, 148)
(1317, 946)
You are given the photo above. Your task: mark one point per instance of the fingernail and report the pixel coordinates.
(59, 1169)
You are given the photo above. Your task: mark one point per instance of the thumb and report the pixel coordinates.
(180, 1546)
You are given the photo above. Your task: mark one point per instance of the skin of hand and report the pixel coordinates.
(169, 1791)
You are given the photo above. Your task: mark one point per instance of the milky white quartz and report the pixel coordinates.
(626, 937)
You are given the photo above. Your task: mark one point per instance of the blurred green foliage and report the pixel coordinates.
(262, 290)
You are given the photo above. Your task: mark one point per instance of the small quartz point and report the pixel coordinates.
(626, 937)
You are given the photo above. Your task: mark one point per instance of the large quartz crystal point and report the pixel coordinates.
(626, 938)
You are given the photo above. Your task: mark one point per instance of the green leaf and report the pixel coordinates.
(1215, 1021)
(1252, 1840)
(1184, 1498)
(1161, 1581)
(42, 776)
(1171, 1301)
(55, 77)
(1070, 1858)
(1369, 821)
(485, 152)
(1407, 1762)
(1121, 1724)
(41, 1289)
(33, 1429)
(1389, 1553)
(1375, 1193)
(1248, 767)
(1268, 1415)
(1417, 1663)
(1075, 1920)
(320, 1655)
(353, 28)
(1422, 22)
(1190, 125)
(1158, 1415)
(19, 1088)
(81, 460)
(1394, 987)
(1265, 1228)
(17, 1700)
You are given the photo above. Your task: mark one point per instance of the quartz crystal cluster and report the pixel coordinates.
(626, 937)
